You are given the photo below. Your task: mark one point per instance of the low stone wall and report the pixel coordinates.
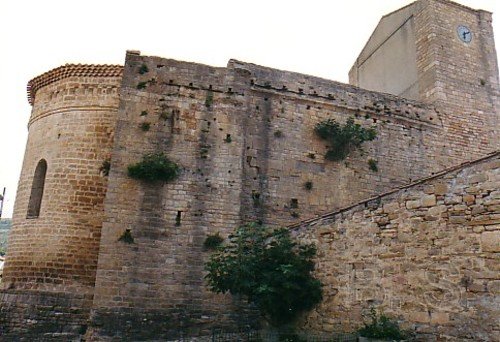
(426, 254)
(42, 316)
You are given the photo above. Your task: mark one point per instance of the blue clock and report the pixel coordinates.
(464, 33)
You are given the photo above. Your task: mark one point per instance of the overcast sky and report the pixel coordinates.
(321, 38)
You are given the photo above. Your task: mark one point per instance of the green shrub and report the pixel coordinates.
(154, 167)
(228, 138)
(382, 327)
(164, 116)
(267, 268)
(213, 241)
(308, 185)
(343, 139)
(143, 69)
(106, 165)
(126, 237)
(278, 134)
(144, 113)
(142, 85)
(372, 163)
(145, 126)
(209, 99)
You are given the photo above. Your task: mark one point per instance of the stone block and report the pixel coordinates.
(440, 318)
(440, 188)
(428, 200)
(419, 317)
(490, 241)
(413, 204)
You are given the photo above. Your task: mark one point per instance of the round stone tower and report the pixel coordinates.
(54, 242)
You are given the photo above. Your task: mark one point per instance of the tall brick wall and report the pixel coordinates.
(426, 254)
(55, 254)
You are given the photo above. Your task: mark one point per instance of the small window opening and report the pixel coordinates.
(35, 200)
(294, 203)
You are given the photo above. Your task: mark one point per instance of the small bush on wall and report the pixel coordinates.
(343, 139)
(213, 241)
(154, 167)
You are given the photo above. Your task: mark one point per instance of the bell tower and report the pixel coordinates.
(442, 53)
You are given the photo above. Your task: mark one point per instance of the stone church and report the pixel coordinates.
(417, 236)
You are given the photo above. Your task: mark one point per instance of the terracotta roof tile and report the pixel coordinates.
(69, 70)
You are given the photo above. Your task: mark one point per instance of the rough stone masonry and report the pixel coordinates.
(244, 138)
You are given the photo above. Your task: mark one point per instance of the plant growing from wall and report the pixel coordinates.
(145, 126)
(164, 116)
(343, 139)
(278, 133)
(269, 269)
(142, 85)
(308, 185)
(126, 237)
(209, 99)
(144, 113)
(228, 138)
(213, 241)
(104, 169)
(373, 165)
(382, 327)
(154, 167)
(143, 69)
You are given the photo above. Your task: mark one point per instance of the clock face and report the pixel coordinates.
(464, 33)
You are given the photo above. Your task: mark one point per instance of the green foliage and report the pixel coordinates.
(256, 199)
(2, 251)
(278, 134)
(213, 241)
(164, 116)
(372, 163)
(308, 185)
(145, 126)
(144, 113)
(311, 155)
(228, 138)
(269, 269)
(126, 237)
(295, 214)
(209, 99)
(343, 139)
(143, 69)
(381, 327)
(154, 167)
(106, 165)
(142, 85)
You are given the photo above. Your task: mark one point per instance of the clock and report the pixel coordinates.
(464, 33)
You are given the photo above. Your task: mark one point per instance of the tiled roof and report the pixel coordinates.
(69, 70)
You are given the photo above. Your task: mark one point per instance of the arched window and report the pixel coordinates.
(37, 190)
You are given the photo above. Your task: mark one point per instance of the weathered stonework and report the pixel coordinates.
(427, 254)
(244, 138)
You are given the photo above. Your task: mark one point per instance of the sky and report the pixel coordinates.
(316, 37)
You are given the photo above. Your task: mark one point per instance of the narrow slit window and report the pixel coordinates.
(35, 201)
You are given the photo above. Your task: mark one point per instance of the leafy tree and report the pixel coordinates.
(343, 139)
(269, 269)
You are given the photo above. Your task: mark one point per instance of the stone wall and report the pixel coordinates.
(55, 253)
(244, 137)
(426, 254)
